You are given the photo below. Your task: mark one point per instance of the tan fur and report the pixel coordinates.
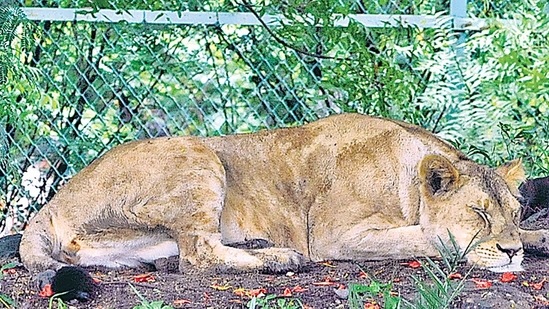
(348, 187)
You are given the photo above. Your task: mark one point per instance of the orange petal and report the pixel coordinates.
(298, 289)
(481, 283)
(539, 285)
(287, 292)
(257, 292)
(180, 302)
(455, 276)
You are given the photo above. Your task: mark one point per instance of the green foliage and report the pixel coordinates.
(72, 90)
(440, 291)
(272, 301)
(6, 301)
(55, 302)
(6, 267)
(377, 292)
(145, 304)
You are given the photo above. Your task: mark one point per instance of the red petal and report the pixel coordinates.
(144, 278)
(413, 264)
(507, 277)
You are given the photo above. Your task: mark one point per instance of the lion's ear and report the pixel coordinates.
(438, 175)
(513, 174)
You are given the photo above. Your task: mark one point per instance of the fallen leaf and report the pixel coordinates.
(236, 301)
(538, 286)
(96, 280)
(328, 264)
(9, 271)
(327, 281)
(507, 277)
(456, 275)
(144, 278)
(482, 283)
(257, 292)
(181, 302)
(242, 292)
(525, 283)
(298, 289)
(220, 287)
(287, 292)
(362, 275)
(46, 291)
(413, 264)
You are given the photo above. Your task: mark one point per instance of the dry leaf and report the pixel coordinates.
(219, 287)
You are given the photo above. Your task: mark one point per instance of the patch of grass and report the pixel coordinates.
(439, 291)
(272, 301)
(442, 290)
(374, 293)
(6, 267)
(60, 303)
(145, 304)
(6, 301)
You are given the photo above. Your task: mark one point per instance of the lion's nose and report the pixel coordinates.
(509, 251)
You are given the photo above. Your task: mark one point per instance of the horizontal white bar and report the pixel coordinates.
(245, 19)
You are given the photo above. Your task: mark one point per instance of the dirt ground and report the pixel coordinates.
(318, 285)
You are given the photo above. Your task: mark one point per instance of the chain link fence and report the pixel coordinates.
(98, 84)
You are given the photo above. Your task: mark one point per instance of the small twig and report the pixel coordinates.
(439, 118)
(284, 43)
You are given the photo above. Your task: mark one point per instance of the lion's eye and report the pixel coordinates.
(484, 215)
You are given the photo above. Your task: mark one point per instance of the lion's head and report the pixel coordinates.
(475, 204)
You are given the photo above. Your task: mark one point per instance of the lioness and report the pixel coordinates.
(346, 187)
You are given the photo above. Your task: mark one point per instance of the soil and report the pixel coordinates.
(318, 285)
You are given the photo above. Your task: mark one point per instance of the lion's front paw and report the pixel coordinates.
(277, 260)
(535, 241)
